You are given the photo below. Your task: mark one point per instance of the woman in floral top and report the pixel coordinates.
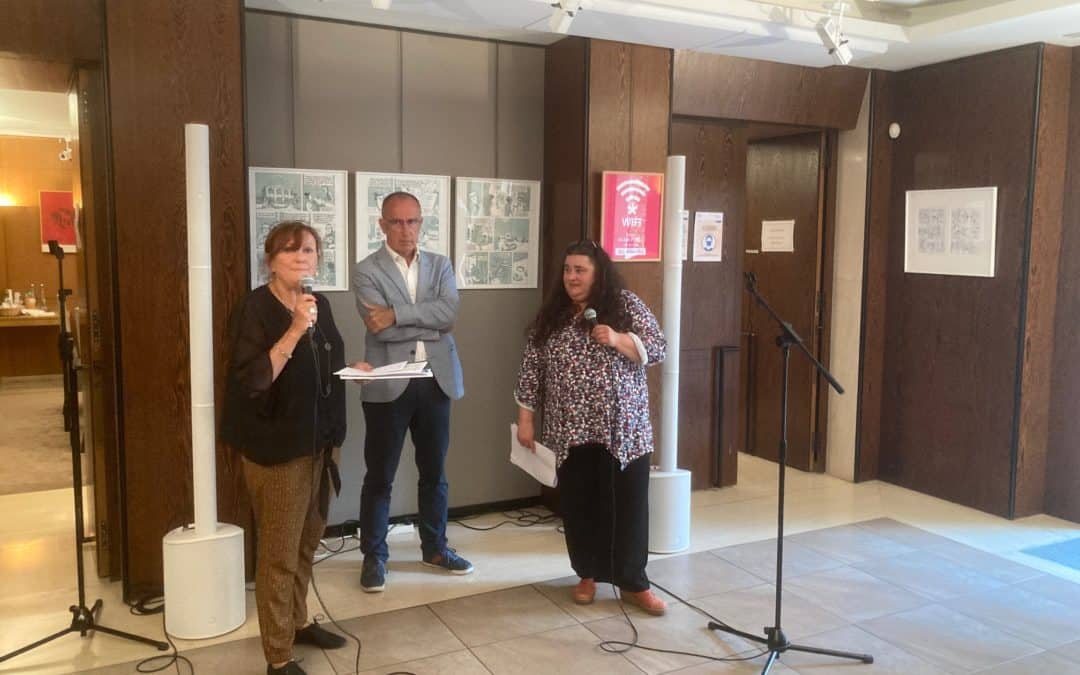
(588, 380)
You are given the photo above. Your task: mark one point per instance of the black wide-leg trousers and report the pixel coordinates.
(605, 514)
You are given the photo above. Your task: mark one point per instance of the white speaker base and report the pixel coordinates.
(669, 511)
(204, 582)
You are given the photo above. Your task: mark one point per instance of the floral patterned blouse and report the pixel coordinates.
(590, 393)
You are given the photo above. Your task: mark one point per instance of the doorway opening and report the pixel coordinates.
(53, 185)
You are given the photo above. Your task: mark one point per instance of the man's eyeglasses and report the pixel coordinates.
(402, 222)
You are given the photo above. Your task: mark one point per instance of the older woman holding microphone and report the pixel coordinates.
(285, 412)
(584, 369)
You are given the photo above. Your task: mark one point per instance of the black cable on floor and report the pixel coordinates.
(517, 518)
(156, 605)
(621, 646)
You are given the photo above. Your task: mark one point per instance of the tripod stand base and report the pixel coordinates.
(84, 621)
(777, 643)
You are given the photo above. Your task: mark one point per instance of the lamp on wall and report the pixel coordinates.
(381, 4)
(6, 199)
(563, 15)
(830, 31)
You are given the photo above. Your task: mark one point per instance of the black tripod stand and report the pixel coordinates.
(775, 639)
(83, 619)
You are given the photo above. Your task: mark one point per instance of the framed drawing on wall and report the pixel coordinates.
(631, 215)
(318, 198)
(497, 233)
(433, 193)
(950, 231)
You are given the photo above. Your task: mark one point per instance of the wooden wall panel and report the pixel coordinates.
(52, 30)
(1048, 198)
(629, 117)
(1063, 460)
(712, 292)
(609, 92)
(565, 145)
(950, 344)
(717, 86)
(158, 82)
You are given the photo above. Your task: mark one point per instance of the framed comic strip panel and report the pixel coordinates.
(318, 198)
(497, 233)
(433, 193)
(950, 232)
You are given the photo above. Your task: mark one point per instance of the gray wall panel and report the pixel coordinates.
(268, 89)
(448, 95)
(347, 96)
(519, 147)
(363, 103)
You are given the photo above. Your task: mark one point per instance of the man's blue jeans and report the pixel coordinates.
(423, 410)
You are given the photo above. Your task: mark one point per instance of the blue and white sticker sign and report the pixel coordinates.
(708, 236)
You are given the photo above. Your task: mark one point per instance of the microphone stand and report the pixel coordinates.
(83, 618)
(775, 640)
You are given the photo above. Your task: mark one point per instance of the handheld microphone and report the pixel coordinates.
(590, 316)
(307, 288)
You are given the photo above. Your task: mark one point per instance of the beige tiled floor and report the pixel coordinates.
(926, 586)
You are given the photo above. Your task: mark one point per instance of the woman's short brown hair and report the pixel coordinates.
(288, 235)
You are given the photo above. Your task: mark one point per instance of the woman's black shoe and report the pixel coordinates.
(290, 668)
(319, 637)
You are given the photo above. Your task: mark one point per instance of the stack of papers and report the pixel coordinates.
(403, 370)
(540, 464)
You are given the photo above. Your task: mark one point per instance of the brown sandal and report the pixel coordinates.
(584, 592)
(646, 600)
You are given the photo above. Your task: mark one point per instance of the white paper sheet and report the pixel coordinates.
(778, 236)
(540, 464)
(402, 370)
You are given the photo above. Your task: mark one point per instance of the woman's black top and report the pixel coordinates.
(303, 410)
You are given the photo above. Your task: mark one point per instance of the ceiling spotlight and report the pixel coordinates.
(381, 4)
(563, 15)
(830, 30)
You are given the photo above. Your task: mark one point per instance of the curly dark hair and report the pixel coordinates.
(605, 296)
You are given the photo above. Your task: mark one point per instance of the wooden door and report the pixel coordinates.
(93, 315)
(784, 181)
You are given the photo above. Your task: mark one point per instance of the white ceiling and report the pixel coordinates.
(35, 113)
(889, 34)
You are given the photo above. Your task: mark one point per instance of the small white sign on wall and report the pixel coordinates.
(777, 236)
(708, 236)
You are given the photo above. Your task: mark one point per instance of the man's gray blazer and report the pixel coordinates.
(376, 280)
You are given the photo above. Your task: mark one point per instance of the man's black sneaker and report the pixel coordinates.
(372, 575)
(290, 668)
(319, 637)
(450, 561)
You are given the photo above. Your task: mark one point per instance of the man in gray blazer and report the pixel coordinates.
(409, 302)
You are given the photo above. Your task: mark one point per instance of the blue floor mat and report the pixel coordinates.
(1065, 553)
